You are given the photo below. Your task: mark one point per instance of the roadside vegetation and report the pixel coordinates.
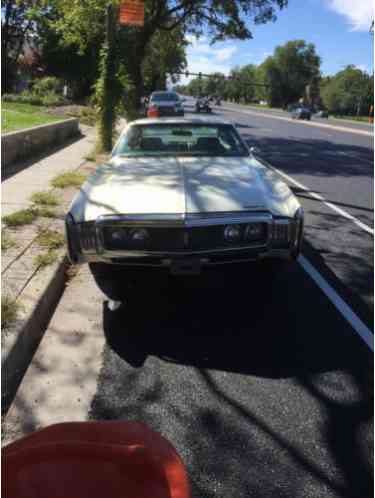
(45, 199)
(50, 239)
(45, 259)
(7, 241)
(20, 218)
(9, 311)
(18, 116)
(68, 179)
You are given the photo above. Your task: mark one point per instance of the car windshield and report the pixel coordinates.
(181, 139)
(164, 97)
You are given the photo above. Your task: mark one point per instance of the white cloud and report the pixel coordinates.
(204, 58)
(223, 54)
(359, 13)
(363, 68)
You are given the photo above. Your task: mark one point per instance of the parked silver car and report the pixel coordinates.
(176, 197)
(166, 103)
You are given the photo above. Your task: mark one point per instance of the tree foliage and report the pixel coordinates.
(350, 91)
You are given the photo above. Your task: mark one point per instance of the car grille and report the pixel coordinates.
(180, 239)
(166, 111)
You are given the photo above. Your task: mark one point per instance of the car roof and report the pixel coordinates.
(172, 120)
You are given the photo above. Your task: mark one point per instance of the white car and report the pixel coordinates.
(178, 196)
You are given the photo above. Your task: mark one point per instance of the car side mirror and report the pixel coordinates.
(255, 150)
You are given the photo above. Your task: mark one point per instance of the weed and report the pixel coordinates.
(50, 239)
(68, 179)
(45, 212)
(9, 311)
(45, 259)
(19, 218)
(6, 241)
(45, 199)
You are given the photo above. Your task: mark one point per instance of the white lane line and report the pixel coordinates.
(339, 303)
(306, 123)
(338, 210)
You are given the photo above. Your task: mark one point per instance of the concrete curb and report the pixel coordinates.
(19, 344)
(24, 144)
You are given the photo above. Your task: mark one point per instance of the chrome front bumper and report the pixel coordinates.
(171, 259)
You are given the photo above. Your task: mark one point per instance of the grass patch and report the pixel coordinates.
(46, 212)
(68, 179)
(18, 116)
(45, 259)
(361, 119)
(6, 241)
(45, 199)
(50, 239)
(9, 311)
(20, 218)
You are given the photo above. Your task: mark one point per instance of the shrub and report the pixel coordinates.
(68, 179)
(47, 85)
(19, 218)
(45, 199)
(9, 310)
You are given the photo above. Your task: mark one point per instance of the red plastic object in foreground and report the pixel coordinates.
(153, 112)
(93, 460)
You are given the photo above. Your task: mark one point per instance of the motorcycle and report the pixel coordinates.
(203, 105)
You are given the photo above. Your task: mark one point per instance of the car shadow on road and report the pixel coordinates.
(264, 326)
(250, 322)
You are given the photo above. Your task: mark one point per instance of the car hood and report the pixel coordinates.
(182, 185)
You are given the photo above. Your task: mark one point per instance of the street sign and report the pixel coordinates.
(132, 12)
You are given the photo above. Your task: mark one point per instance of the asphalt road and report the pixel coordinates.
(360, 125)
(258, 379)
(260, 383)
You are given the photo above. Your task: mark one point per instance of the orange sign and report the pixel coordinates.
(132, 12)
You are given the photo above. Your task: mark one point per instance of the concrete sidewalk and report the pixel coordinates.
(33, 287)
(16, 190)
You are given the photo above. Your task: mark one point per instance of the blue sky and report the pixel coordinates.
(338, 28)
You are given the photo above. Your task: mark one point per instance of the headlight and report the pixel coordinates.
(118, 235)
(232, 233)
(139, 235)
(253, 231)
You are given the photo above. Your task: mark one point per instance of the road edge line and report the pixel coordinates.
(304, 122)
(320, 198)
(360, 328)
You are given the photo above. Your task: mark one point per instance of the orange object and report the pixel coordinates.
(132, 12)
(93, 460)
(152, 112)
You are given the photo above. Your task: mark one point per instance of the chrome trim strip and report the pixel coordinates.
(185, 220)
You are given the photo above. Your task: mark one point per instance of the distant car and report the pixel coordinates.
(166, 103)
(301, 113)
(178, 196)
(322, 114)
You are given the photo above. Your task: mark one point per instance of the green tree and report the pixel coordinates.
(349, 91)
(79, 22)
(165, 57)
(289, 70)
(17, 29)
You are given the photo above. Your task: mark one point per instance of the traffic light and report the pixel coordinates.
(200, 76)
(187, 74)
